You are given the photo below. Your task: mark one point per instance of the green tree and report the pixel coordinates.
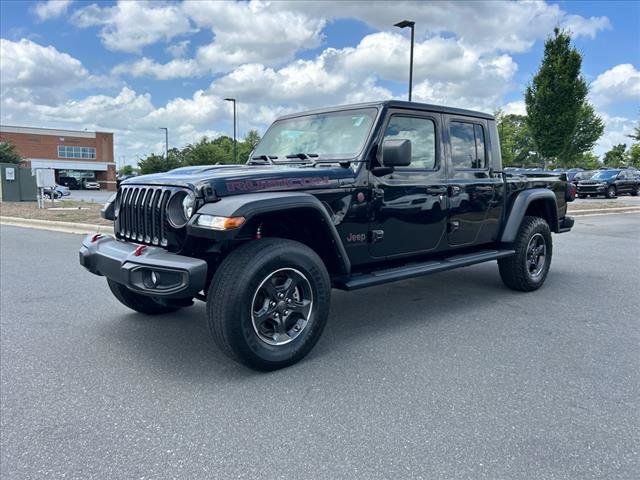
(589, 129)
(634, 155)
(636, 134)
(125, 170)
(252, 139)
(8, 153)
(555, 96)
(588, 161)
(515, 140)
(158, 163)
(616, 156)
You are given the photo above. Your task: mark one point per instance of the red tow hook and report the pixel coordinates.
(139, 249)
(95, 237)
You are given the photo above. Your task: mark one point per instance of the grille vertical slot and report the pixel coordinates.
(141, 214)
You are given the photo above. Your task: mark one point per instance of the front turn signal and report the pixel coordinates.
(219, 223)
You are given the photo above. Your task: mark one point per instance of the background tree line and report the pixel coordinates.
(205, 152)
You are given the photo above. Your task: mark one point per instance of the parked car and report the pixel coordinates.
(91, 185)
(62, 190)
(609, 183)
(48, 192)
(70, 182)
(575, 177)
(361, 195)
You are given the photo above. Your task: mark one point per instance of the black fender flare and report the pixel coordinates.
(253, 204)
(519, 208)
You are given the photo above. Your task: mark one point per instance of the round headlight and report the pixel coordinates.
(180, 209)
(188, 204)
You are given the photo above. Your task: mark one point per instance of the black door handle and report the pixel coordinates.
(484, 188)
(436, 190)
(454, 190)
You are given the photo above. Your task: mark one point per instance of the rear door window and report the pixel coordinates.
(468, 149)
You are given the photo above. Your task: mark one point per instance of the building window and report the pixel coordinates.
(67, 151)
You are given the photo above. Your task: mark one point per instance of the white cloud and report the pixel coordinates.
(615, 132)
(516, 107)
(487, 26)
(51, 9)
(29, 69)
(178, 49)
(130, 26)
(621, 82)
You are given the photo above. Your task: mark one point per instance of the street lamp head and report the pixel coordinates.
(230, 99)
(405, 24)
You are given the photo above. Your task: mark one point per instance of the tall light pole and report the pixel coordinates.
(235, 157)
(405, 24)
(166, 142)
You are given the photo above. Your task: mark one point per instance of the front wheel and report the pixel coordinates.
(268, 303)
(611, 192)
(527, 269)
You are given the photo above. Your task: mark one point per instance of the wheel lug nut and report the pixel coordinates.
(273, 304)
(286, 312)
(288, 300)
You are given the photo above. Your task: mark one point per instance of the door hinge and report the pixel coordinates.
(376, 236)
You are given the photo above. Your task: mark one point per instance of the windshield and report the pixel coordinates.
(331, 135)
(604, 174)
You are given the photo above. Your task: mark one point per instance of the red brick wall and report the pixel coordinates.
(46, 147)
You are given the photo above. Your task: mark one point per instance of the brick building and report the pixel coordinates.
(77, 154)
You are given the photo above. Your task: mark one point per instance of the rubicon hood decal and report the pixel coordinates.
(269, 183)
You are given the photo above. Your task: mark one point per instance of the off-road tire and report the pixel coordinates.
(232, 292)
(514, 270)
(140, 303)
(611, 192)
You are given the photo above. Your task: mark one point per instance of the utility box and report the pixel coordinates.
(17, 184)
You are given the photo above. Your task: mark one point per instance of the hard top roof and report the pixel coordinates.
(400, 104)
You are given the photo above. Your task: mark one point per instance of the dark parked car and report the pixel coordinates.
(346, 198)
(577, 177)
(70, 182)
(609, 183)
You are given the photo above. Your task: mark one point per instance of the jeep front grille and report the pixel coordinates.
(141, 214)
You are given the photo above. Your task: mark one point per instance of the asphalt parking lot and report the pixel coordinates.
(448, 376)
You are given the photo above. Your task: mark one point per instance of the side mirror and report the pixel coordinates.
(396, 152)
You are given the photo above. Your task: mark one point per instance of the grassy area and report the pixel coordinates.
(60, 211)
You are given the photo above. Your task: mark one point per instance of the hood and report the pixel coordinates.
(237, 179)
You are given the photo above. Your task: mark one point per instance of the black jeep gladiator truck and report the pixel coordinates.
(346, 197)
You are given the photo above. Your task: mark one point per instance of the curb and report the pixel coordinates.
(56, 226)
(577, 213)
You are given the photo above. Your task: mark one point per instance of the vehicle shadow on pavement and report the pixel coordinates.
(180, 344)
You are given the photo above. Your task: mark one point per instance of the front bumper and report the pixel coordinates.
(147, 270)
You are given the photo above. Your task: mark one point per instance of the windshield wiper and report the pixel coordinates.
(303, 156)
(265, 158)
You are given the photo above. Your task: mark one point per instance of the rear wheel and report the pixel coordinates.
(527, 269)
(141, 303)
(268, 303)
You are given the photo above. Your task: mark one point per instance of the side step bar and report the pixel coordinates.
(379, 277)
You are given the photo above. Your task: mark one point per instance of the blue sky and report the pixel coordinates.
(131, 67)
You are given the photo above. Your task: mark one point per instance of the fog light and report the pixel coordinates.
(219, 223)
